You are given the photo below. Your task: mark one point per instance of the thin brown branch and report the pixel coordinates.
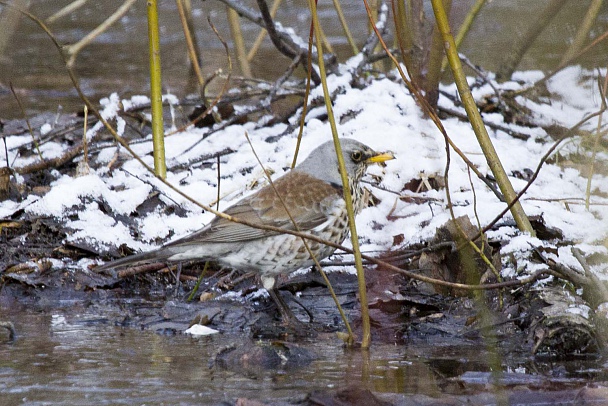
(224, 89)
(27, 121)
(537, 171)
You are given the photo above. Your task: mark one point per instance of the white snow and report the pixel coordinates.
(384, 116)
(200, 330)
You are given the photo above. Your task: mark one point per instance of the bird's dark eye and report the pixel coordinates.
(356, 156)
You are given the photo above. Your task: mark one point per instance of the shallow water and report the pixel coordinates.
(72, 357)
(70, 360)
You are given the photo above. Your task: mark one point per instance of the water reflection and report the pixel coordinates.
(65, 359)
(72, 357)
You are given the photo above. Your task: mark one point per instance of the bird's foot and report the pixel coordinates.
(290, 325)
(227, 282)
(291, 329)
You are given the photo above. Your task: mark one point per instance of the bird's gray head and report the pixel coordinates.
(322, 162)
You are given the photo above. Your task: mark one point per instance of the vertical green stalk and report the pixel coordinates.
(366, 326)
(160, 167)
(349, 37)
(583, 30)
(465, 27)
(431, 84)
(522, 221)
(239, 43)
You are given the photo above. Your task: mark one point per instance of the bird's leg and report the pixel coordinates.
(310, 316)
(177, 278)
(286, 314)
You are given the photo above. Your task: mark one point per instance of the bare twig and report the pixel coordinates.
(27, 121)
(224, 87)
(537, 171)
(284, 35)
(277, 84)
(494, 126)
(73, 6)
(380, 28)
(594, 290)
(74, 49)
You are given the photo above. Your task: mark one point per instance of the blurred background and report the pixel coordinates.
(117, 60)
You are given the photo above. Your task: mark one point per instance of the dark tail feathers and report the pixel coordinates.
(150, 256)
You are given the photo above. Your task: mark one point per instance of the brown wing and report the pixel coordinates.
(307, 199)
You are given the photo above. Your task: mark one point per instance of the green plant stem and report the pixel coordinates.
(365, 322)
(431, 83)
(349, 36)
(583, 30)
(198, 282)
(160, 166)
(522, 221)
(74, 49)
(465, 27)
(239, 43)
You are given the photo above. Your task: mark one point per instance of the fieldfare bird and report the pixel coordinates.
(312, 194)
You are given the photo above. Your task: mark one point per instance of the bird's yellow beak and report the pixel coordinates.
(381, 157)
